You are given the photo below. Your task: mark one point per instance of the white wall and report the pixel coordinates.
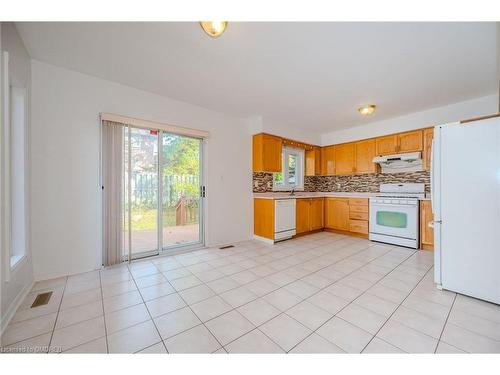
(14, 286)
(65, 152)
(259, 124)
(297, 134)
(459, 111)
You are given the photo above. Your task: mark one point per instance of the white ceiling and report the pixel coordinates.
(306, 75)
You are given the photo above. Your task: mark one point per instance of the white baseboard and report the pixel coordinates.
(5, 320)
(263, 239)
(56, 275)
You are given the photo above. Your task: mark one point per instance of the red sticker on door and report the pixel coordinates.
(153, 132)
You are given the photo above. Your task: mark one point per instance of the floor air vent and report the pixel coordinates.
(42, 299)
(226, 247)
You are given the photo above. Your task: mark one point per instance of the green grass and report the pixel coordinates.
(146, 219)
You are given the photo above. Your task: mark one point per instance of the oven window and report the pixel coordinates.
(392, 219)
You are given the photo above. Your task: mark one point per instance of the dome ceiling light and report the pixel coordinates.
(213, 28)
(367, 109)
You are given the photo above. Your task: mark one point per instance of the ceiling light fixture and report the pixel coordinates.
(213, 28)
(367, 109)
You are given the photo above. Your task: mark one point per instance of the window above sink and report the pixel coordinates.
(291, 176)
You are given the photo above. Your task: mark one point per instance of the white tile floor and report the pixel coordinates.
(322, 293)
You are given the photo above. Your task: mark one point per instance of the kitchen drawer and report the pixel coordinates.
(358, 226)
(358, 215)
(358, 208)
(358, 201)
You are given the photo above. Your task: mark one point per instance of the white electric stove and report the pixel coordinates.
(394, 214)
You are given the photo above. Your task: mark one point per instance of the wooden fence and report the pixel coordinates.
(145, 189)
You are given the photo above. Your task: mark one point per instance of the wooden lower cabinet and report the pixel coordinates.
(302, 215)
(347, 214)
(358, 226)
(337, 213)
(312, 214)
(426, 232)
(358, 215)
(263, 218)
(353, 215)
(309, 214)
(317, 213)
(358, 208)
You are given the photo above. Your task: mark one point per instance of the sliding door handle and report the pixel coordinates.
(431, 223)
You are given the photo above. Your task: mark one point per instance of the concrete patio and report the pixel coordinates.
(146, 240)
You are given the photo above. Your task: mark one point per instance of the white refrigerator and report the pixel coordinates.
(465, 195)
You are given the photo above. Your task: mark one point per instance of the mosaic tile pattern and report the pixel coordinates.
(262, 182)
(366, 183)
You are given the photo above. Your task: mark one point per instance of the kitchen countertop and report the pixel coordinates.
(302, 194)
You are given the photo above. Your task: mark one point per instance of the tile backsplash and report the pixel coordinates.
(370, 182)
(262, 182)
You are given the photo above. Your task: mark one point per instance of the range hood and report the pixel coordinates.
(397, 163)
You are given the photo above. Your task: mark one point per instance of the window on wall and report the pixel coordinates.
(18, 174)
(292, 170)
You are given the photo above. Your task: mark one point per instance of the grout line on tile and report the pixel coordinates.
(297, 249)
(146, 306)
(57, 316)
(369, 245)
(336, 281)
(202, 323)
(445, 322)
(399, 305)
(104, 315)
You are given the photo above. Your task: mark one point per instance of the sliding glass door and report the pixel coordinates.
(181, 190)
(161, 191)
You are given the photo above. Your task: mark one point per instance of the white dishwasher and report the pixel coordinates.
(284, 219)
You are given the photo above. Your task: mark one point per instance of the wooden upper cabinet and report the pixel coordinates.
(410, 141)
(428, 137)
(364, 154)
(327, 161)
(426, 232)
(316, 214)
(266, 153)
(386, 145)
(302, 215)
(399, 143)
(313, 161)
(344, 158)
(337, 213)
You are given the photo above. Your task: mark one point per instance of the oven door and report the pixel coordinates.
(394, 220)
